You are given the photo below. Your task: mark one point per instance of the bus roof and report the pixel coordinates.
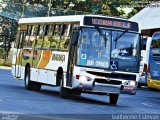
(69, 18)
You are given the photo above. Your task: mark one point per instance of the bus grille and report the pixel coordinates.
(104, 81)
(121, 76)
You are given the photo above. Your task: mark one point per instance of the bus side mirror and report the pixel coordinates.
(75, 36)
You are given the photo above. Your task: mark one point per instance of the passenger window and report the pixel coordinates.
(34, 30)
(50, 29)
(46, 42)
(54, 42)
(65, 38)
(17, 39)
(66, 29)
(42, 29)
(58, 30)
(25, 42)
(31, 41)
(64, 44)
(39, 42)
(29, 29)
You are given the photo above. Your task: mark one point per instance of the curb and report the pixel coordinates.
(4, 67)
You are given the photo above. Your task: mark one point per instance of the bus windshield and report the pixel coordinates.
(108, 49)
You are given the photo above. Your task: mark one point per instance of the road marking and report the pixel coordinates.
(1, 100)
(146, 104)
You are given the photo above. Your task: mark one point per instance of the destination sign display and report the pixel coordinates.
(111, 23)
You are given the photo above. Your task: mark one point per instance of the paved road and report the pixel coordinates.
(15, 99)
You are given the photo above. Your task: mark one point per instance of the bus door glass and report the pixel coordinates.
(72, 56)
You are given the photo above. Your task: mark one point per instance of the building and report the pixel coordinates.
(148, 19)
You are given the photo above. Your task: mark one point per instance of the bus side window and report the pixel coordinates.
(49, 30)
(48, 36)
(56, 37)
(29, 30)
(58, 30)
(42, 29)
(34, 30)
(46, 42)
(25, 41)
(33, 37)
(39, 42)
(54, 42)
(17, 39)
(65, 38)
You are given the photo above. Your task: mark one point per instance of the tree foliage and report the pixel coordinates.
(106, 7)
(39, 8)
(2, 53)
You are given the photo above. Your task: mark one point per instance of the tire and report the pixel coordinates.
(113, 98)
(133, 93)
(64, 92)
(139, 85)
(76, 92)
(58, 79)
(30, 85)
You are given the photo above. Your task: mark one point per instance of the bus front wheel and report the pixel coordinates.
(30, 85)
(113, 98)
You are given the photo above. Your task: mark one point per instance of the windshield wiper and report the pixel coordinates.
(102, 34)
(118, 37)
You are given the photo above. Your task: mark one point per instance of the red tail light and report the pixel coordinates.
(77, 77)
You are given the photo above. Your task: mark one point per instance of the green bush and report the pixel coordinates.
(2, 53)
(7, 61)
(2, 61)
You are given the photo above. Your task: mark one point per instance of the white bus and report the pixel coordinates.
(81, 54)
(144, 61)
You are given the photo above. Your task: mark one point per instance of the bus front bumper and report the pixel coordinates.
(105, 88)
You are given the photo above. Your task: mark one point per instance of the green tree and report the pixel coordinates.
(2, 53)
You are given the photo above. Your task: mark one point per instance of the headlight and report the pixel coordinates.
(126, 83)
(83, 78)
(132, 83)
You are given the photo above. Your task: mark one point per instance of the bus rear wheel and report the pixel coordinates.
(113, 98)
(30, 85)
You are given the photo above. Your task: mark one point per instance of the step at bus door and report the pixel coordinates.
(19, 55)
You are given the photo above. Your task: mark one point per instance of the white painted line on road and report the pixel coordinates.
(146, 104)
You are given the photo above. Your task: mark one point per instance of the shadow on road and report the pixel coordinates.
(76, 98)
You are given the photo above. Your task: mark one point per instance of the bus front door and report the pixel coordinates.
(19, 55)
(70, 68)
